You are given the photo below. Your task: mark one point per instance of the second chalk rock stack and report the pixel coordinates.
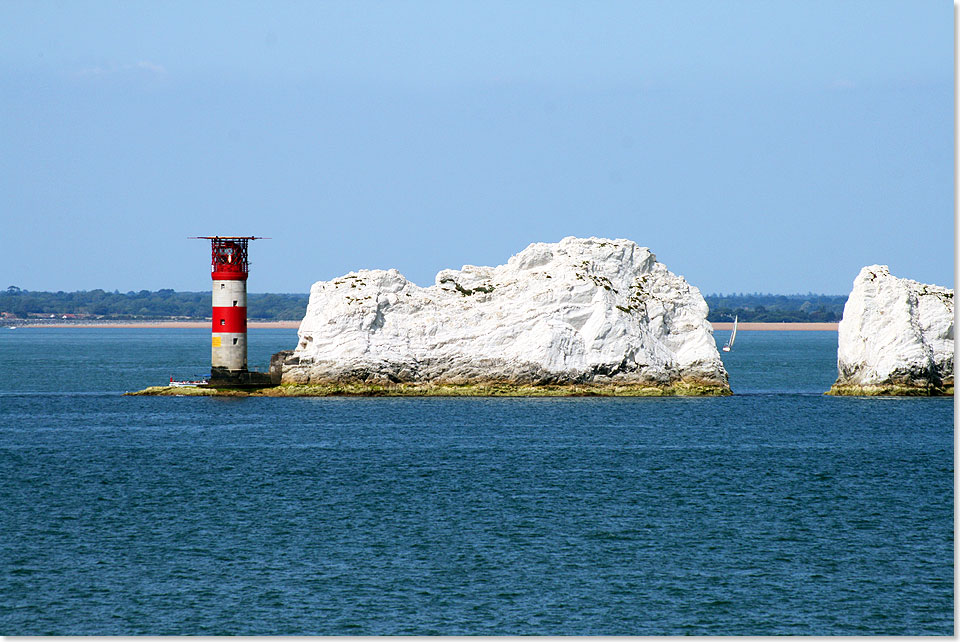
(896, 337)
(582, 311)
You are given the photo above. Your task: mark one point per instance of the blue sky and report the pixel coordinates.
(753, 146)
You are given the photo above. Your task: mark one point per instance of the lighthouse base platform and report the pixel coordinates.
(221, 377)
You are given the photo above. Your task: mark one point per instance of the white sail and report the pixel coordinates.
(733, 335)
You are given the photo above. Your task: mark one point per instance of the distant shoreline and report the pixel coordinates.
(293, 325)
(786, 325)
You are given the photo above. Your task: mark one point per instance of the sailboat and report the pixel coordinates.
(733, 336)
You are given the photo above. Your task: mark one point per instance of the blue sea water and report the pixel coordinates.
(774, 511)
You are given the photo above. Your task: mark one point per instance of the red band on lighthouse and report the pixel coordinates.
(232, 319)
(224, 275)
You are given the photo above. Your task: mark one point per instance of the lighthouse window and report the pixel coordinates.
(234, 304)
(235, 341)
(223, 286)
(223, 322)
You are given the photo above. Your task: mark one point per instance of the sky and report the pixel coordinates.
(752, 146)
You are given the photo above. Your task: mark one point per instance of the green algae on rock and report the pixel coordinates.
(184, 391)
(891, 390)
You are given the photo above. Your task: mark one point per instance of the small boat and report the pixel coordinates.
(733, 336)
(186, 384)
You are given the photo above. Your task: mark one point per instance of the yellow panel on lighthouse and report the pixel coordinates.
(216, 342)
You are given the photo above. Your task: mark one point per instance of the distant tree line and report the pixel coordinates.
(196, 305)
(775, 308)
(143, 304)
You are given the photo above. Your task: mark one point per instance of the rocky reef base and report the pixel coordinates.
(489, 389)
(922, 389)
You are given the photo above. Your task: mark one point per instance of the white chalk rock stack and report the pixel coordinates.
(578, 311)
(896, 337)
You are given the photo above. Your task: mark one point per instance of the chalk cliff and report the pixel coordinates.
(896, 337)
(581, 311)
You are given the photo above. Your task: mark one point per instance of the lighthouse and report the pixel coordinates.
(230, 268)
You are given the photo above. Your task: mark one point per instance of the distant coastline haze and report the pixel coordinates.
(752, 146)
(24, 306)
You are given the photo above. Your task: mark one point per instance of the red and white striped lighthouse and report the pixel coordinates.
(230, 268)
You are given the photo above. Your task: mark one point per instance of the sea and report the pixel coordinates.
(777, 510)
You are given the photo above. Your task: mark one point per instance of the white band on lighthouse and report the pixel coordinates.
(229, 350)
(228, 294)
